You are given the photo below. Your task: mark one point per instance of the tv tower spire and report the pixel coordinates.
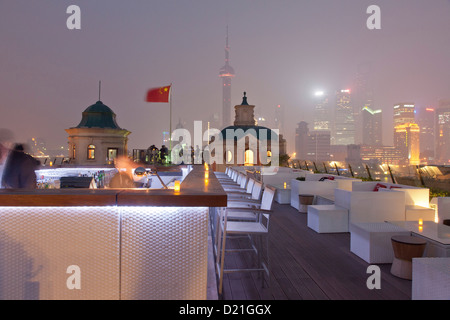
(226, 73)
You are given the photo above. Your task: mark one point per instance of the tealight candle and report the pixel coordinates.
(177, 186)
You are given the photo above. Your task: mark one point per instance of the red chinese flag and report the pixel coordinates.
(160, 94)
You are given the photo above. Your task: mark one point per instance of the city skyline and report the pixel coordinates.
(282, 53)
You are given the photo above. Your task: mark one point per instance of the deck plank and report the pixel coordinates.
(306, 265)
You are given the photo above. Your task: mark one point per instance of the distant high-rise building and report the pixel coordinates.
(319, 146)
(301, 140)
(363, 96)
(381, 154)
(372, 127)
(443, 132)
(279, 118)
(344, 123)
(407, 142)
(426, 121)
(404, 113)
(407, 133)
(226, 73)
(321, 111)
(312, 145)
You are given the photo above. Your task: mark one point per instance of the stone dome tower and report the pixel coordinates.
(97, 140)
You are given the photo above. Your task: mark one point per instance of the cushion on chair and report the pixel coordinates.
(378, 186)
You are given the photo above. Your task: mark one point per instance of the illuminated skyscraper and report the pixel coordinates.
(226, 73)
(443, 132)
(344, 124)
(362, 96)
(321, 111)
(407, 133)
(426, 121)
(404, 113)
(371, 124)
(407, 142)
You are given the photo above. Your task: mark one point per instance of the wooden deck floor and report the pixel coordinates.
(306, 265)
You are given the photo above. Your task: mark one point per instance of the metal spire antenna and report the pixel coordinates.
(99, 89)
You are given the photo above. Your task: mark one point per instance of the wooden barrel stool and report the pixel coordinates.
(406, 248)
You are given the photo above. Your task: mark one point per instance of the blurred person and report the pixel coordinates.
(164, 152)
(124, 177)
(17, 168)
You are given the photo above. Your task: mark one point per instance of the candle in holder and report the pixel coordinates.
(177, 186)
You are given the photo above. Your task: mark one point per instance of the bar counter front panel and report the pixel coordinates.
(107, 244)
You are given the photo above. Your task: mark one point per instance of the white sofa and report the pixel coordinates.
(322, 190)
(442, 205)
(368, 211)
(417, 205)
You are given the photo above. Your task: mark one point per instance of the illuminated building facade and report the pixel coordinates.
(407, 142)
(321, 111)
(381, 154)
(404, 113)
(407, 133)
(344, 123)
(426, 121)
(443, 132)
(372, 133)
(362, 96)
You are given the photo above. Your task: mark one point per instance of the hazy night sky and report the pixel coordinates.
(282, 51)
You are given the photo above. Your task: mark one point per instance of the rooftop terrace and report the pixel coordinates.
(306, 265)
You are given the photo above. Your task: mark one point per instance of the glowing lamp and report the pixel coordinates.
(206, 174)
(176, 186)
(420, 222)
(285, 185)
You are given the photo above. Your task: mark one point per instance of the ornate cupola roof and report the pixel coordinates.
(98, 115)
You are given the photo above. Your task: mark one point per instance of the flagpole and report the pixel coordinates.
(170, 125)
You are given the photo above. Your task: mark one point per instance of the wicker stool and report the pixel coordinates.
(406, 248)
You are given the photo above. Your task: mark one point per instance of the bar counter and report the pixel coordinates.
(108, 244)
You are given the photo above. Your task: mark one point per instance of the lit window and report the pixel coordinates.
(112, 153)
(229, 156)
(91, 152)
(248, 158)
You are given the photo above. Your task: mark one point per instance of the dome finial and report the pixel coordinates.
(99, 90)
(244, 99)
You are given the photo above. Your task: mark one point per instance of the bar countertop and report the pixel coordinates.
(195, 191)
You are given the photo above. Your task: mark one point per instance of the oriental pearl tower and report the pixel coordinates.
(226, 73)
